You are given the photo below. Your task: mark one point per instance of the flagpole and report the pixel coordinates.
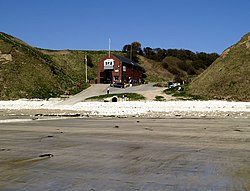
(109, 47)
(86, 68)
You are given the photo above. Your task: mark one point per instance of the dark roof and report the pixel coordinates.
(126, 60)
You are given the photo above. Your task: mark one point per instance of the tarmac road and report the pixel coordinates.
(125, 154)
(93, 90)
(99, 89)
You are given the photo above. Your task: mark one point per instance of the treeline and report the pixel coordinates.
(179, 62)
(159, 54)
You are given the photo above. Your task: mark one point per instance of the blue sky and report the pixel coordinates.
(196, 25)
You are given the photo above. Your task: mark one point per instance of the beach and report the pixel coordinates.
(145, 145)
(125, 154)
(146, 109)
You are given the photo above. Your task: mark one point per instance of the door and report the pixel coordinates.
(108, 76)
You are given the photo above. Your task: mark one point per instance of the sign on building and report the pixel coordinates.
(124, 68)
(109, 64)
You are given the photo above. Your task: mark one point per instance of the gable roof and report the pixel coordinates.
(126, 60)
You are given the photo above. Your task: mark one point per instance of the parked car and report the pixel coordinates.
(118, 85)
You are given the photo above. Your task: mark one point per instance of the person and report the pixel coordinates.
(107, 90)
(124, 97)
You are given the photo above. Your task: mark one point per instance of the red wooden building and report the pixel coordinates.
(113, 68)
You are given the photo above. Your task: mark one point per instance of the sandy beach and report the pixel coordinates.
(147, 145)
(147, 109)
(125, 154)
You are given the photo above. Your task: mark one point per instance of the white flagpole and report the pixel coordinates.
(86, 69)
(109, 46)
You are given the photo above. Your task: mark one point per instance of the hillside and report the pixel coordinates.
(154, 70)
(26, 72)
(228, 77)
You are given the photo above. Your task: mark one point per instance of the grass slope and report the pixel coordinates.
(28, 72)
(72, 62)
(228, 77)
(155, 71)
(25, 72)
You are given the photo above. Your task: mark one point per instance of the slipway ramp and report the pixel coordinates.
(93, 90)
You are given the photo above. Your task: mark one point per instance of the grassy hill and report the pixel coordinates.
(28, 72)
(154, 70)
(228, 77)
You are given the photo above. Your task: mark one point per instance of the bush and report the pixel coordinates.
(159, 98)
(130, 96)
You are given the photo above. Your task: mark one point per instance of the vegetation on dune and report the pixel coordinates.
(228, 77)
(183, 94)
(30, 73)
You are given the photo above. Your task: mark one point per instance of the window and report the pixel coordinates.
(109, 64)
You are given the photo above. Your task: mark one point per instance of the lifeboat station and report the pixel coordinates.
(117, 69)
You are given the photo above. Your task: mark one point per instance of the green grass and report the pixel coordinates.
(33, 73)
(41, 73)
(159, 98)
(228, 77)
(183, 94)
(130, 97)
(160, 84)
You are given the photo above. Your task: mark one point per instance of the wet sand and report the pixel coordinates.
(113, 154)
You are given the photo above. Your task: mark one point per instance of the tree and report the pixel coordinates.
(148, 53)
(133, 50)
(160, 54)
(136, 47)
(126, 48)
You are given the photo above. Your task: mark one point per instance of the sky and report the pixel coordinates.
(197, 25)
